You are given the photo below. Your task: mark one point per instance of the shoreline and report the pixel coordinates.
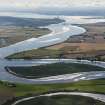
(99, 97)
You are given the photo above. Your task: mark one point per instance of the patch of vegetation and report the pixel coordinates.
(64, 52)
(92, 86)
(36, 54)
(10, 35)
(62, 100)
(52, 70)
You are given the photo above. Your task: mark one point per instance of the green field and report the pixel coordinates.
(36, 54)
(92, 86)
(52, 70)
(43, 53)
(62, 100)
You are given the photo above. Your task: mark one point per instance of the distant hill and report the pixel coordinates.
(27, 22)
(72, 11)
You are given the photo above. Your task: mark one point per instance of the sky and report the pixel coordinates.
(32, 4)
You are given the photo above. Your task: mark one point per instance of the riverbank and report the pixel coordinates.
(89, 45)
(14, 30)
(48, 70)
(61, 32)
(60, 99)
(11, 35)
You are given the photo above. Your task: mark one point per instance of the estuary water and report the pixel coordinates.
(60, 33)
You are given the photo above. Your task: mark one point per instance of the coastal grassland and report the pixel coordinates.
(67, 51)
(18, 90)
(13, 29)
(35, 54)
(94, 86)
(51, 70)
(62, 100)
(11, 35)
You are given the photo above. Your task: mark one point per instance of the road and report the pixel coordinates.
(99, 97)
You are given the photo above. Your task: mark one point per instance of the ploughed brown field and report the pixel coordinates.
(5, 94)
(91, 43)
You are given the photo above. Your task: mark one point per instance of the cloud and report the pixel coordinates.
(32, 4)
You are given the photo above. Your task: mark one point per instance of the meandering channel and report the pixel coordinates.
(91, 95)
(60, 33)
